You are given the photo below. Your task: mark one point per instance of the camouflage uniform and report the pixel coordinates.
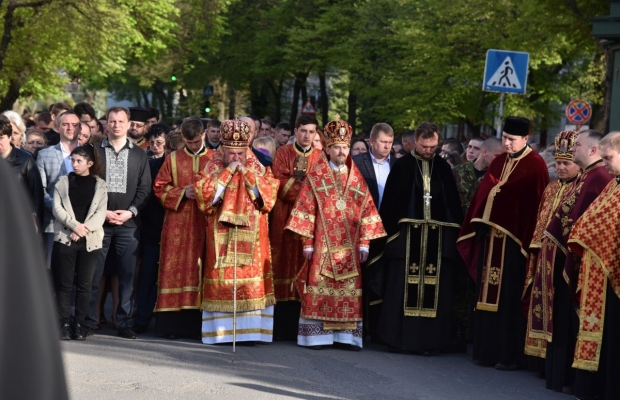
(466, 183)
(464, 288)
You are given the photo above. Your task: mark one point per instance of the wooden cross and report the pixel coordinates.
(358, 190)
(427, 198)
(324, 187)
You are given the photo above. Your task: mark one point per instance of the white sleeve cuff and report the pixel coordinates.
(218, 193)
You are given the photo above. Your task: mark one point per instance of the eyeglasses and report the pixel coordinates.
(136, 125)
(157, 142)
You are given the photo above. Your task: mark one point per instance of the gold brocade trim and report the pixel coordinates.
(231, 281)
(172, 309)
(307, 154)
(223, 238)
(179, 290)
(509, 165)
(235, 219)
(499, 228)
(370, 220)
(282, 281)
(428, 221)
(339, 326)
(244, 315)
(238, 332)
(491, 274)
(173, 166)
(374, 303)
(326, 291)
(242, 305)
(302, 215)
(469, 235)
(535, 351)
(287, 186)
(556, 242)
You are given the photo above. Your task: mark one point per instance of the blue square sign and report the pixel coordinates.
(506, 71)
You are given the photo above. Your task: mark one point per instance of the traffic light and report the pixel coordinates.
(173, 78)
(206, 107)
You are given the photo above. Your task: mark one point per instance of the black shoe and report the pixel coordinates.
(66, 333)
(78, 332)
(504, 367)
(88, 331)
(140, 328)
(318, 347)
(170, 336)
(127, 333)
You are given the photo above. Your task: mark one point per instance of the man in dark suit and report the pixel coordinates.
(375, 164)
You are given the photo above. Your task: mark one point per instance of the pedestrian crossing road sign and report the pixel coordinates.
(506, 71)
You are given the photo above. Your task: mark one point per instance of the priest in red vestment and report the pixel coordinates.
(182, 254)
(291, 164)
(236, 192)
(545, 263)
(494, 242)
(552, 321)
(337, 217)
(595, 238)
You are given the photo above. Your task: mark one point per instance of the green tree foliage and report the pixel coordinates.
(47, 43)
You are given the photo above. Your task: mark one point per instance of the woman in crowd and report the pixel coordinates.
(80, 206)
(19, 129)
(35, 140)
(358, 146)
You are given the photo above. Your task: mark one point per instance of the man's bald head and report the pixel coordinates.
(492, 144)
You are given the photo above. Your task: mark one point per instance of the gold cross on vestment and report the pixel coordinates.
(345, 308)
(358, 190)
(324, 187)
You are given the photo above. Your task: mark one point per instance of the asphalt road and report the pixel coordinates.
(152, 368)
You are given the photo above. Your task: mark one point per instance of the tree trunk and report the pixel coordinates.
(232, 102)
(11, 95)
(295, 102)
(352, 102)
(608, 83)
(324, 103)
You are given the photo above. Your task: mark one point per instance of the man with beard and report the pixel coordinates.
(595, 239)
(546, 264)
(236, 192)
(137, 126)
(561, 321)
(493, 242)
(337, 217)
(414, 273)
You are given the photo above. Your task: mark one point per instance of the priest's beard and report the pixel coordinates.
(134, 134)
(339, 160)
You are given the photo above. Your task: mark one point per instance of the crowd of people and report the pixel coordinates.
(246, 230)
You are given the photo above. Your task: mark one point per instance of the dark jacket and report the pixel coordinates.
(364, 164)
(25, 168)
(128, 177)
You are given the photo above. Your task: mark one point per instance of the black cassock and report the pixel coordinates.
(414, 273)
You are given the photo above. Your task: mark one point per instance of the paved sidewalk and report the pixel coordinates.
(153, 368)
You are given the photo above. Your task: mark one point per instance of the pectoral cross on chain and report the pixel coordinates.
(427, 198)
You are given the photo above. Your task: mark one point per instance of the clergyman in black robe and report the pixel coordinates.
(413, 274)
